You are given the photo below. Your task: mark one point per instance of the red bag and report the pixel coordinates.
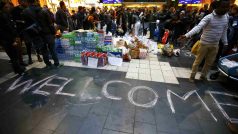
(165, 37)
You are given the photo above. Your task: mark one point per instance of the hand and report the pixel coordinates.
(182, 38)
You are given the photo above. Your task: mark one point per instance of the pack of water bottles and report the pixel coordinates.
(71, 44)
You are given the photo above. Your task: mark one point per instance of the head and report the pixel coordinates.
(172, 10)
(73, 11)
(182, 14)
(6, 7)
(32, 2)
(205, 7)
(62, 5)
(222, 7)
(93, 10)
(234, 10)
(23, 3)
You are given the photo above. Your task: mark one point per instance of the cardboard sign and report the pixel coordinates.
(92, 62)
(115, 61)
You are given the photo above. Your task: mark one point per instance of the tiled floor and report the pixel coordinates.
(31, 113)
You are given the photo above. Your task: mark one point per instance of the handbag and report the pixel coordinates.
(195, 47)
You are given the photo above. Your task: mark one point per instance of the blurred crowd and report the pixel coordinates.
(35, 27)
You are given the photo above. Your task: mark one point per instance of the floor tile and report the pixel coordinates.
(120, 121)
(212, 127)
(135, 61)
(187, 122)
(154, 63)
(164, 64)
(166, 68)
(134, 65)
(155, 72)
(144, 71)
(69, 125)
(111, 68)
(144, 66)
(133, 70)
(122, 69)
(155, 67)
(153, 59)
(170, 79)
(168, 73)
(125, 64)
(157, 78)
(144, 62)
(146, 77)
(93, 124)
(144, 128)
(145, 115)
(107, 131)
(41, 131)
(131, 75)
(166, 123)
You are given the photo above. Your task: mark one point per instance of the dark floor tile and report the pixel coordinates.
(101, 108)
(146, 115)
(107, 131)
(191, 132)
(188, 122)
(121, 120)
(51, 122)
(212, 127)
(79, 110)
(144, 128)
(93, 124)
(42, 131)
(69, 125)
(165, 122)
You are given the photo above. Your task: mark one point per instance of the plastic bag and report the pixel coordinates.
(195, 47)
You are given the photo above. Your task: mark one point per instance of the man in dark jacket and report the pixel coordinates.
(61, 17)
(8, 36)
(80, 16)
(17, 14)
(45, 39)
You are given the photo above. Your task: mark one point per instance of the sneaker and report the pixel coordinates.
(39, 58)
(191, 79)
(203, 78)
(59, 65)
(30, 62)
(23, 64)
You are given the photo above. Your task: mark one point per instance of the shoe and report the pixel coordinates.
(203, 78)
(30, 62)
(39, 58)
(191, 79)
(59, 65)
(23, 64)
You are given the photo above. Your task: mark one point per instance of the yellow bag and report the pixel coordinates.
(195, 48)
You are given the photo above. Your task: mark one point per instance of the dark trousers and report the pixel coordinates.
(49, 48)
(12, 52)
(152, 27)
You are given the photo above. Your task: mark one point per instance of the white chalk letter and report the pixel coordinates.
(219, 105)
(147, 105)
(106, 94)
(184, 98)
(59, 92)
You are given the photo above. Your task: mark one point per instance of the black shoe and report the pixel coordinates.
(30, 62)
(39, 58)
(59, 65)
(23, 64)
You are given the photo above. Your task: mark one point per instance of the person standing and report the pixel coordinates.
(61, 17)
(214, 28)
(48, 35)
(8, 36)
(17, 14)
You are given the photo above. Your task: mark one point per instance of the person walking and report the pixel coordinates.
(214, 28)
